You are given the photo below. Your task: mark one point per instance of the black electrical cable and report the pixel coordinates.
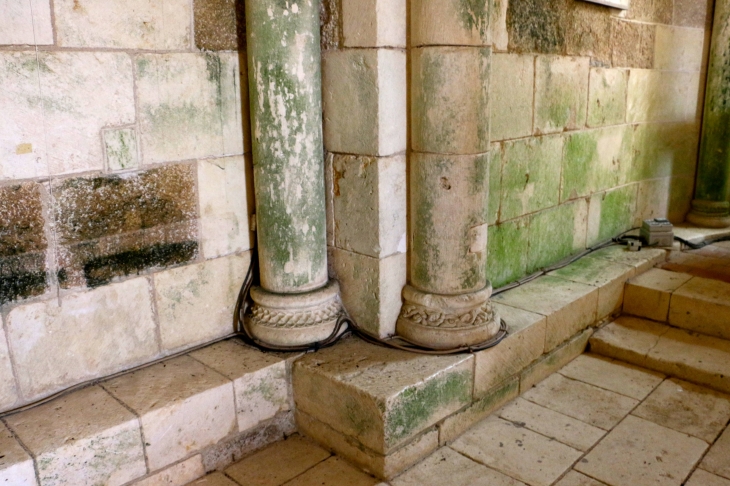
(704, 243)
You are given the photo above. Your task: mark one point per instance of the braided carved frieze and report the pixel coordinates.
(296, 318)
(479, 316)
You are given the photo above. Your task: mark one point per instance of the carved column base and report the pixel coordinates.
(447, 321)
(294, 319)
(710, 214)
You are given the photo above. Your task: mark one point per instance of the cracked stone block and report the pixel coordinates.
(374, 23)
(663, 96)
(607, 97)
(512, 96)
(679, 49)
(611, 213)
(83, 438)
(75, 94)
(114, 321)
(183, 407)
(224, 207)
(561, 93)
(380, 397)
(27, 23)
(190, 105)
(372, 84)
(195, 303)
(121, 149)
(220, 25)
(135, 24)
(259, 380)
(16, 466)
(450, 22)
(648, 294)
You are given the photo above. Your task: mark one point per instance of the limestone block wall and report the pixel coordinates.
(124, 200)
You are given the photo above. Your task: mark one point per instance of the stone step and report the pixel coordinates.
(692, 303)
(169, 423)
(693, 357)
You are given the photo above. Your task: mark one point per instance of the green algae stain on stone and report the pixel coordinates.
(508, 251)
(616, 211)
(475, 16)
(580, 151)
(121, 149)
(551, 236)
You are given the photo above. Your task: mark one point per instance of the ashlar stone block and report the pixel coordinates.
(679, 48)
(83, 438)
(632, 44)
(137, 24)
(693, 13)
(648, 294)
(642, 261)
(546, 245)
(76, 94)
(372, 84)
(607, 97)
(374, 23)
(27, 23)
(508, 248)
(561, 93)
(102, 331)
(381, 398)
(702, 305)
(8, 386)
(195, 302)
(369, 202)
(450, 22)
(183, 407)
(611, 213)
(259, 380)
(663, 96)
(224, 206)
(120, 147)
(512, 95)
(16, 466)
(190, 105)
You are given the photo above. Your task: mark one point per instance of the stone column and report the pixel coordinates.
(447, 296)
(295, 304)
(712, 192)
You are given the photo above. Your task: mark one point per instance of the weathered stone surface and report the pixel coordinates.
(546, 246)
(702, 305)
(703, 478)
(577, 479)
(512, 96)
(120, 147)
(517, 451)
(278, 463)
(523, 345)
(508, 251)
(553, 361)
(8, 386)
(372, 84)
(224, 207)
(220, 25)
(75, 94)
(716, 460)
(612, 375)
(607, 97)
(16, 466)
(642, 260)
(371, 288)
(180, 474)
(679, 48)
(633, 44)
(648, 294)
(451, 22)
(561, 93)
(195, 303)
(334, 471)
(182, 405)
(383, 397)
(498, 24)
(115, 226)
(26, 23)
(649, 454)
(662, 96)
(190, 105)
(495, 182)
(446, 117)
(215, 479)
(693, 13)
(530, 175)
(664, 150)
(654, 11)
(103, 331)
(611, 213)
(137, 24)
(22, 242)
(369, 199)
(83, 438)
(259, 380)
(668, 197)
(374, 23)
(627, 339)
(330, 13)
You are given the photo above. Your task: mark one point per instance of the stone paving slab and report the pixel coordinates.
(717, 461)
(703, 478)
(333, 471)
(577, 479)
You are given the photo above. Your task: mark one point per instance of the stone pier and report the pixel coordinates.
(295, 304)
(447, 297)
(711, 206)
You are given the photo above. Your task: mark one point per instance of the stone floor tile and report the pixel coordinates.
(177, 475)
(587, 403)
(71, 438)
(614, 376)
(517, 451)
(702, 305)
(648, 294)
(577, 479)
(333, 472)
(627, 339)
(639, 452)
(278, 463)
(687, 408)
(183, 405)
(448, 467)
(703, 478)
(215, 479)
(717, 461)
(16, 466)
(562, 428)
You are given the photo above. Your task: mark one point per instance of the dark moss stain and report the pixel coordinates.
(417, 406)
(100, 271)
(21, 285)
(214, 66)
(475, 16)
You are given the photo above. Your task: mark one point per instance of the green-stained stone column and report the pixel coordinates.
(446, 301)
(711, 206)
(296, 304)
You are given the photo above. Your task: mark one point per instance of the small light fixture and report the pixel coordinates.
(622, 4)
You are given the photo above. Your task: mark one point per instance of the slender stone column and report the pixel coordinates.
(296, 304)
(712, 193)
(447, 296)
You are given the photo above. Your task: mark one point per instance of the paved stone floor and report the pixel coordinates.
(595, 422)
